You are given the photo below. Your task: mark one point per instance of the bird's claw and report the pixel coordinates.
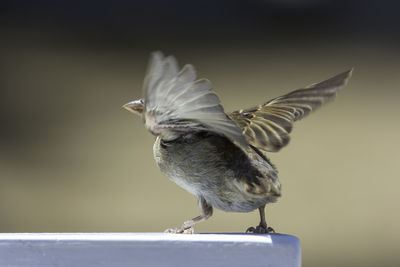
(260, 229)
(181, 230)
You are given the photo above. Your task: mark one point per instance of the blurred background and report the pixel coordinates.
(72, 160)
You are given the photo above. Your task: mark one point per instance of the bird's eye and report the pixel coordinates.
(141, 101)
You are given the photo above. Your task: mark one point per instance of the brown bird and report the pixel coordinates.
(220, 158)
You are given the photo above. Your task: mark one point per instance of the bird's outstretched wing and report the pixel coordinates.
(267, 126)
(175, 100)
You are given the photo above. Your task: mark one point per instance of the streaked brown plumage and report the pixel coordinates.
(267, 126)
(220, 158)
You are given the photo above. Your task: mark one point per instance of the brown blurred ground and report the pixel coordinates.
(72, 160)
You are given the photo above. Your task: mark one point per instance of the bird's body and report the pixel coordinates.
(212, 167)
(220, 158)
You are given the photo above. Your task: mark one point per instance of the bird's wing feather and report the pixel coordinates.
(267, 126)
(176, 96)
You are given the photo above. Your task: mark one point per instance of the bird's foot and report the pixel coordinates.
(181, 230)
(260, 229)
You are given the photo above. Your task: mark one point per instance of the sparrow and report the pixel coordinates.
(219, 157)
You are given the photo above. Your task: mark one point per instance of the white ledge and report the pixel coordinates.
(149, 237)
(148, 249)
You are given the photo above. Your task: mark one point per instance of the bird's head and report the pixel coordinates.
(149, 118)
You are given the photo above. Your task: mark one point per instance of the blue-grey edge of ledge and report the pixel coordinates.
(148, 249)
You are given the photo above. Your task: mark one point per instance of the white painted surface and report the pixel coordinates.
(150, 237)
(148, 249)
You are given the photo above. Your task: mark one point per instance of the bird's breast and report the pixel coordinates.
(183, 163)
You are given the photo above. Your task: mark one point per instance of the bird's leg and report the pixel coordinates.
(262, 228)
(187, 227)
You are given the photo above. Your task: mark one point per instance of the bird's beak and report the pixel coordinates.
(135, 106)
